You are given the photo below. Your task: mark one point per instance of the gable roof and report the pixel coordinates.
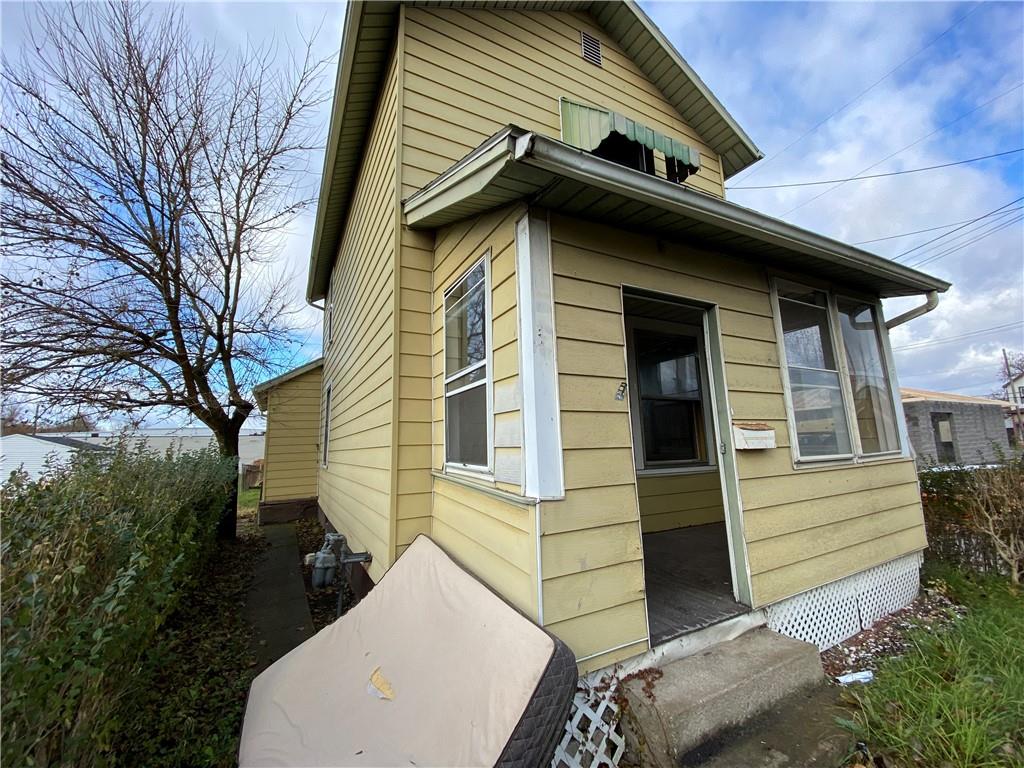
(516, 163)
(367, 38)
(261, 390)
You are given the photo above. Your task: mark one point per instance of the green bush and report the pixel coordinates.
(958, 500)
(95, 557)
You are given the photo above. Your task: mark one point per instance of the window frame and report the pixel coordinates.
(641, 465)
(457, 467)
(857, 455)
(325, 427)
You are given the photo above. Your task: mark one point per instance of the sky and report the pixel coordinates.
(826, 91)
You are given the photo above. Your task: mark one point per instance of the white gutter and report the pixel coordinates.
(563, 160)
(930, 303)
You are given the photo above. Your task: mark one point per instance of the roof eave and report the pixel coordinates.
(314, 283)
(559, 159)
(261, 390)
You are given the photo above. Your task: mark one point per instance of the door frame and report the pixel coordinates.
(721, 414)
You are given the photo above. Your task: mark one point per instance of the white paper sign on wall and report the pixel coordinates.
(753, 437)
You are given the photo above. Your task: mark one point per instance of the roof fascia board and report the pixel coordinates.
(353, 17)
(464, 179)
(564, 160)
(265, 386)
(700, 85)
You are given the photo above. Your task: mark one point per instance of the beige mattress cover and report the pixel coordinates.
(431, 668)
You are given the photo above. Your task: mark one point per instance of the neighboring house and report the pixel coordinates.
(632, 408)
(35, 454)
(160, 439)
(292, 405)
(945, 428)
(1014, 395)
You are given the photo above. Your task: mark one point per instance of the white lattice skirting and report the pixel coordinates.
(592, 737)
(829, 614)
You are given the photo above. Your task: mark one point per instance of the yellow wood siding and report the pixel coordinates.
(492, 538)
(293, 438)
(355, 488)
(803, 527)
(678, 501)
(470, 72)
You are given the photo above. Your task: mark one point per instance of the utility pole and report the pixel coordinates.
(1018, 421)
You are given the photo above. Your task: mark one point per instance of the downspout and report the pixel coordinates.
(930, 303)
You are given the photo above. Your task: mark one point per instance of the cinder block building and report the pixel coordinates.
(948, 428)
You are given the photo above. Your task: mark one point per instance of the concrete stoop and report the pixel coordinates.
(720, 688)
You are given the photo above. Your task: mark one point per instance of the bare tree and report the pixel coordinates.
(148, 183)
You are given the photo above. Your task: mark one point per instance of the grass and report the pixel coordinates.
(956, 698)
(249, 499)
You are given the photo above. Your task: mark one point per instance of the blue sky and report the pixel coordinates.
(780, 69)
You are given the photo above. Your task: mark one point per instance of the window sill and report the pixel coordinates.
(849, 461)
(701, 469)
(483, 483)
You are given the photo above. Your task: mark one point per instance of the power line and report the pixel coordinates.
(912, 144)
(946, 339)
(1003, 217)
(922, 231)
(947, 234)
(880, 175)
(982, 236)
(760, 166)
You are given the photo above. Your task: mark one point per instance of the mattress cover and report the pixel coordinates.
(431, 668)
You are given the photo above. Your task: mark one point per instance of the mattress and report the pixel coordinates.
(431, 668)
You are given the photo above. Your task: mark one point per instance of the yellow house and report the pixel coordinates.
(292, 442)
(630, 406)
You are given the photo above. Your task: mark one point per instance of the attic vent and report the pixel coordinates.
(591, 48)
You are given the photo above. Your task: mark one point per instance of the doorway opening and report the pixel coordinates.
(686, 542)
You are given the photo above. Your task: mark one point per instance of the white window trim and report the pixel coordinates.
(325, 426)
(633, 388)
(839, 352)
(455, 467)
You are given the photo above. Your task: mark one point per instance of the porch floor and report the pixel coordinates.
(689, 585)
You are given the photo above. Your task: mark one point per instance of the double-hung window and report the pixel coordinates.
(466, 375)
(840, 392)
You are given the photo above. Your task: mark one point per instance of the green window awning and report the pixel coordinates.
(586, 127)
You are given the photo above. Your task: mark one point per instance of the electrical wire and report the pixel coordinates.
(881, 175)
(902, 254)
(960, 247)
(1002, 217)
(960, 337)
(922, 231)
(754, 169)
(909, 146)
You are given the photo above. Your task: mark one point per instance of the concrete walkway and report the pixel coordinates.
(276, 606)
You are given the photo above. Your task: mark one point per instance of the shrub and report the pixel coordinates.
(973, 515)
(94, 558)
(994, 504)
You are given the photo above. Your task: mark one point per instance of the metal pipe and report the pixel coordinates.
(930, 303)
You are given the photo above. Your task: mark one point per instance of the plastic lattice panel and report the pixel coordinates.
(592, 737)
(831, 613)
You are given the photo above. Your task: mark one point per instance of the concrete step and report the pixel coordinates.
(700, 696)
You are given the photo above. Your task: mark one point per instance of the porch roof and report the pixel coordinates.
(516, 164)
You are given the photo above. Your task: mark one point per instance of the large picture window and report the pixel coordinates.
(840, 393)
(466, 308)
